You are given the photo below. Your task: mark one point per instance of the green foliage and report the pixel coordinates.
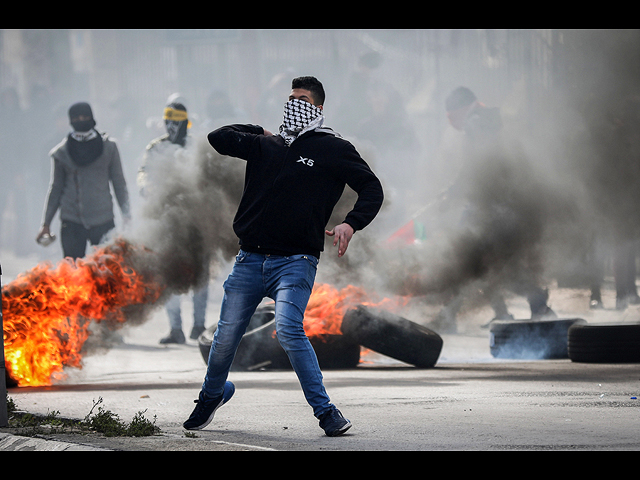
(103, 421)
(11, 405)
(51, 423)
(141, 427)
(109, 424)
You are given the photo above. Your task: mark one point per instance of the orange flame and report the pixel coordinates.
(327, 305)
(47, 311)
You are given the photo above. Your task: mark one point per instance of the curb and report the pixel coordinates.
(16, 443)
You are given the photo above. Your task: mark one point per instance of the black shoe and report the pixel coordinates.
(633, 300)
(596, 304)
(196, 331)
(499, 316)
(207, 407)
(333, 423)
(175, 336)
(544, 313)
(623, 302)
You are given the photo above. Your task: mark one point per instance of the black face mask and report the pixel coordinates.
(77, 111)
(83, 125)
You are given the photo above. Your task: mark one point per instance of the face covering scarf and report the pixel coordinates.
(84, 147)
(299, 117)
(177, 122)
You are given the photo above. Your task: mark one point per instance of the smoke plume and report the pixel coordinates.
(187, 214)
(558, 199)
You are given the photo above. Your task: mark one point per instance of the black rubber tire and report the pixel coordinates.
(262, 316)
(260, 347)
(393, 336)
(10, 382)
(336, 352)
(530, 339)
(604, 343)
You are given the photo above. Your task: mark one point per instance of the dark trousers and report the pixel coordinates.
(74, 237)
(625, 269)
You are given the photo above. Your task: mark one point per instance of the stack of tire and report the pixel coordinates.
(604, 343)
(530, 339)
(378, 330)
(571, 338)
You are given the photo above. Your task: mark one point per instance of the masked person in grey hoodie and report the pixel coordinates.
(85, 164)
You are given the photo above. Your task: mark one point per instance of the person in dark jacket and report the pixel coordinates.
(482, 127)
(293, 180)
(85, 164)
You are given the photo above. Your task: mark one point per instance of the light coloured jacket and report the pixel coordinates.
(82, 193)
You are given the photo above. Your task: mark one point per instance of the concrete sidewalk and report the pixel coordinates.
(17, 443)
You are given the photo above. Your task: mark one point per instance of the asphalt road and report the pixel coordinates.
(469, 401)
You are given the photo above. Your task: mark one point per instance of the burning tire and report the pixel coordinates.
(9, 381)
(530, 339)
(260, 348)
(336, 352)
(392, 336)
(604, 343)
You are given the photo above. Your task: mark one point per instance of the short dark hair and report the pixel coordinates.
(458, 98)
(313, 85)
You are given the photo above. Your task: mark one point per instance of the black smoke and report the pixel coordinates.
(186, 217)
(566, 183)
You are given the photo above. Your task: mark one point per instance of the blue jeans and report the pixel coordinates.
(288, 281)
(174, 310)
(200, 296)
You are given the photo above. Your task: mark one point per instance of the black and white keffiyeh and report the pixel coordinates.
(299, 117)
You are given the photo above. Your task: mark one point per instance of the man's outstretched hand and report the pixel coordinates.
(342, 236)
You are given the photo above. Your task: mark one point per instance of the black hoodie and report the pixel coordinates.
(290, 192)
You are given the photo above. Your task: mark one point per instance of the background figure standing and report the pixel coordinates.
(484, 150)
(614, 178)
(162, 149)
(85, 164)
(15, 160)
